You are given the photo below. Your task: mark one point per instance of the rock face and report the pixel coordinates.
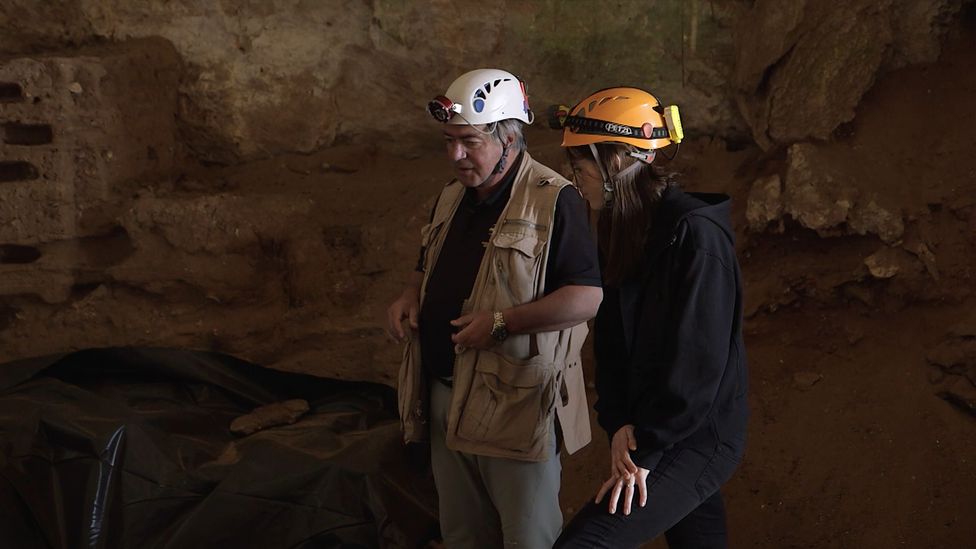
(119, 225)
(765, 203)
(820, 196)
(77, 130)
(78, 133)
(279, 76)
(106, 240)
(802, 67)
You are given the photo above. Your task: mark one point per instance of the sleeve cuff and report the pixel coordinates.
(646, 455)
(646, 460)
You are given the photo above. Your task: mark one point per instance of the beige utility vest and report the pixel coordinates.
(504, 398)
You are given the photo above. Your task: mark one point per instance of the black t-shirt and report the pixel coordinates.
(572, 261)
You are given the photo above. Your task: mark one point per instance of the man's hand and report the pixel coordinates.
(407, 306)
(623, 442)
(625, 485)
(475, 330)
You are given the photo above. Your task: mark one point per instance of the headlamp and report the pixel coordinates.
(442, 108)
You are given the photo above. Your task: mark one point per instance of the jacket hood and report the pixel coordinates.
(676, 205)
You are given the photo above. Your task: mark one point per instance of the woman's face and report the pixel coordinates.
(587, 178)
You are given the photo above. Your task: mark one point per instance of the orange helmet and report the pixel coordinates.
(619, 115)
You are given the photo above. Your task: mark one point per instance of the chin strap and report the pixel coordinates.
(500, 165)
(608, 182)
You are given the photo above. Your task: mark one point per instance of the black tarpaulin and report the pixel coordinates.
(132, 448)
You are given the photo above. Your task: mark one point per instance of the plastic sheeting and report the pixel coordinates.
(132, 448)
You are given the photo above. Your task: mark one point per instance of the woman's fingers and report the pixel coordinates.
(623, 465)
(603, 489)
(615, 495)
(627, 486)
(642, 486)
(628, 495)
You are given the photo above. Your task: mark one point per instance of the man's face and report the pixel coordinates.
(472, 153)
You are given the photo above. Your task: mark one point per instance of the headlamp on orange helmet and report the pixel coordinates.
(618, 115)
(629, 116)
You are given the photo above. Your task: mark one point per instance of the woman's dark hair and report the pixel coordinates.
(623, 227)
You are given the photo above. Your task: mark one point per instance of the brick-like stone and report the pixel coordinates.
(78, 133)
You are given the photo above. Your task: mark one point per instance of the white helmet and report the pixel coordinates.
(482, 96)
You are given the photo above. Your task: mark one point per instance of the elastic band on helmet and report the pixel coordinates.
(595, 126)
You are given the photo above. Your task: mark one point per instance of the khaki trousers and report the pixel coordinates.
(489, 502)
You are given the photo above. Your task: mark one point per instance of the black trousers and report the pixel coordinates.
(683, 502)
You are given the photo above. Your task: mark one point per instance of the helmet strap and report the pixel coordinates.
(607, 182)
(500, 165)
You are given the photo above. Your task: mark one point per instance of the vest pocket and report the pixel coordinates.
(515, 270)
(530, 244)
(510, 403)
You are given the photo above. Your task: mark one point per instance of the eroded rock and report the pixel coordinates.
(272, 415)
(822, 197)
(765, 204)
(847, 45)
(269, 77)
(815, 195)
(871, 218)
(885, 263)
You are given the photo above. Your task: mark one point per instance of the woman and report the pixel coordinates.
(671, 371)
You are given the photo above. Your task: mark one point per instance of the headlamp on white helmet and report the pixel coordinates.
(481, 97)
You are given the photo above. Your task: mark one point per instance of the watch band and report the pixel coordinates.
(499, 330)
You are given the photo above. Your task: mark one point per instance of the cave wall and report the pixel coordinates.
(802, 67)
(208, 175)
(268, 77)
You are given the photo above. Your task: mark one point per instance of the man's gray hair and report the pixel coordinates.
(511, 127)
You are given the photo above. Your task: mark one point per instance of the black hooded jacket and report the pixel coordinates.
(668, 342)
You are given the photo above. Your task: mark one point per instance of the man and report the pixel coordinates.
(507, 277)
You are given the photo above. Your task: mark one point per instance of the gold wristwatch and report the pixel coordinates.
(498, 329)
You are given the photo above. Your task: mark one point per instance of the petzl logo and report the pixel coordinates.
(617, 129)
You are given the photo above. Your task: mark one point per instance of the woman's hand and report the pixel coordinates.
(623, 442)
(625, 485)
